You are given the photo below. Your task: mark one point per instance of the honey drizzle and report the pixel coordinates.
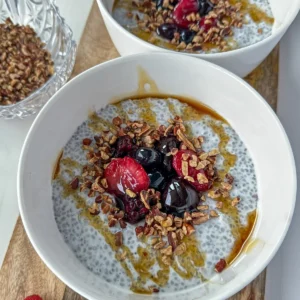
(240, 232)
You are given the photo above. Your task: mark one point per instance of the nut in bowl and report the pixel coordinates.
(156, 193)
(37, 56)
(236, 35)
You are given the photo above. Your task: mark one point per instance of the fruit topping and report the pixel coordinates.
(147, 157)
(205, 6)
(124, 145)
(182, 10)
(133, 208)
(207, 23)
(167, 30)
(187, 166)
(179, 197)
(157, 180)
(166, 144)
(126, 174)
(187, 35)
(33, 297)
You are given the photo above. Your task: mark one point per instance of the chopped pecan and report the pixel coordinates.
(74, 183)
(167, 251)
(159, 245)
(122, 223)
(200, 220)
(172, 239)
(213, 214)
(178, 222)
(86, 142)
(166, 260)
(235, 201)
(220, 265)
(180, 249)
(139, 231)
(130, 193)
(119, 239)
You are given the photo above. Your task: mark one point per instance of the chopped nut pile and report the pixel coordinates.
(24, 63)
(186, 25)
(164, 229)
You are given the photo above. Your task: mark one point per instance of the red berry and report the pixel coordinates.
(206, 27)
(182, 9)
(126, 173)
(192, 171)
(33, 297)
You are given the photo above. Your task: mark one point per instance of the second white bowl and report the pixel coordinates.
(241, 61)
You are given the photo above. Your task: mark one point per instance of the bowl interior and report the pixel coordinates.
(237, 102)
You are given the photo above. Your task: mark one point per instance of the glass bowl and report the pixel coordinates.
(43, 16)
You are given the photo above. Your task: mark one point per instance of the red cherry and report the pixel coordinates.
(182, 9)
(33, 297)
(192, 171)
(126, 173)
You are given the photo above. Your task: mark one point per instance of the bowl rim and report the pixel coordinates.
(22, 203)
(282, 28)
(69, 46)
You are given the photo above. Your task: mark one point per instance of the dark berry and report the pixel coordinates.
(159, 3)
(166, 144)
(133, 208)
(147, 157)
(179, 197)
(123, 146)
(205, 6)
(187, 35)
(167, 30)
(157, 180)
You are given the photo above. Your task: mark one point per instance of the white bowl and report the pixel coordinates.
(241, 61)
(235, 100)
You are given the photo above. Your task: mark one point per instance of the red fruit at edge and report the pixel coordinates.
(206, 27)
(126, 173)
(182, 9)
(177, 165)
(33, 297)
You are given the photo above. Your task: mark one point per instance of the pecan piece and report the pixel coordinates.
(180, 249)
(74, 183)
(119, 239)
(220, 265)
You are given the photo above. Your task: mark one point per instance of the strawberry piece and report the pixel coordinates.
(182, 9)
(192, 171)
(126, 173)
(33, 297)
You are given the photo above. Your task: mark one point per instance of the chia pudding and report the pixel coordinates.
(155, 194)
(199, 26)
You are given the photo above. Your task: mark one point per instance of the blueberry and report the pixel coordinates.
(166, 144)
(205, 6)
(147, 157)
(167, 30)
(179, 197)
(187, 35)
(157, 180)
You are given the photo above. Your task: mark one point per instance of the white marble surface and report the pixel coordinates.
(13, 133)
(283, 273)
